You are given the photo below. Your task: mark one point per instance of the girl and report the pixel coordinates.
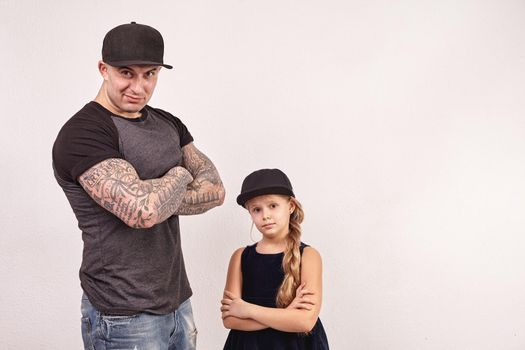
(273, 289)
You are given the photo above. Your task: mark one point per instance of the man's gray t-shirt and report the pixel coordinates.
(124, 270)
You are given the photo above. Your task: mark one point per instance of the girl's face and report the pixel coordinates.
(271, 214)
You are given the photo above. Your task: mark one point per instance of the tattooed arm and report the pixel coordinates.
(116, 186)
(206, 190)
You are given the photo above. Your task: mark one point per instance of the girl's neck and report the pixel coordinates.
(265, 246)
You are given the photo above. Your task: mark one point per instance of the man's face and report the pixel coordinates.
(128, 89)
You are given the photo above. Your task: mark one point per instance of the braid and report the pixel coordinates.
(292, 258)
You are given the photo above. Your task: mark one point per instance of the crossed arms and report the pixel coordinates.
(300, 316)
(193, 188)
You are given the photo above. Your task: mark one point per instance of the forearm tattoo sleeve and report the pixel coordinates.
(206, 190)
(115, 185)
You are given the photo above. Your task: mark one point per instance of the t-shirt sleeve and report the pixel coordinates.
(184, 134)
(84, 141)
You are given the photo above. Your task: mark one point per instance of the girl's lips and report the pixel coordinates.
(268, 225)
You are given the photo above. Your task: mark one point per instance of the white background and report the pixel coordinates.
(400, 123)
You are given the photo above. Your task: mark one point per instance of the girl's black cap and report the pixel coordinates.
(133, 43)
(264, 181)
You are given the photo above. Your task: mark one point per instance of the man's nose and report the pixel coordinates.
(137, 85)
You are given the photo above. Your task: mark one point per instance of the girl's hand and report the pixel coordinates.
(232, 305)
(301, 300)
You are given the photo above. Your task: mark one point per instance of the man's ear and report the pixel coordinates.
(103, 69)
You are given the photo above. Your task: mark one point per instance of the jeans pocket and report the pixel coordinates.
(117, 319)
(86, 333)
(116, 326)
(185, 336)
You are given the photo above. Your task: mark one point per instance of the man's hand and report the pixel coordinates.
(206, 191)
(202, 191)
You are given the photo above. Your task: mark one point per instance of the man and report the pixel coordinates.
(128, 171)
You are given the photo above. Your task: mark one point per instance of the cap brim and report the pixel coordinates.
(131, 63)
(244, 197)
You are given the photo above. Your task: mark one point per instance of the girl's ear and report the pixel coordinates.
(292, 207)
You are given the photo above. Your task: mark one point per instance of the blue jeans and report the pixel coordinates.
(174, 331)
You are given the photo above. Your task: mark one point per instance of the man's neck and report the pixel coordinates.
(103, 100)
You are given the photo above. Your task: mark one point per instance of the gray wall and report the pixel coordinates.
(401, 125)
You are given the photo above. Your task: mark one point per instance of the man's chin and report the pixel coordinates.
(132, 107)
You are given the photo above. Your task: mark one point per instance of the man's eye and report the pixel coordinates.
(151, 73)
(126, 73)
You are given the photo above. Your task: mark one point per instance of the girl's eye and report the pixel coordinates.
(273, 206)
(255, 210)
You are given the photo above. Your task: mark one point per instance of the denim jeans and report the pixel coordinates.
(174, 331)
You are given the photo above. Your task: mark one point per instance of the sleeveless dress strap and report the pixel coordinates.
(302, 246)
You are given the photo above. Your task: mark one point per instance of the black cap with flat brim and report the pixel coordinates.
(264, 181)
(133, 44)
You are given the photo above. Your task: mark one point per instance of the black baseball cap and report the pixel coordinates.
(264, 181)
(133, 43)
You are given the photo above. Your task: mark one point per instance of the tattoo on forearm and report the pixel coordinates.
(116, 186)
(206, 191)
(200, 166)
(201, 198)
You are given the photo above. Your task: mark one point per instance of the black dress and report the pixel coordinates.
(262, 275)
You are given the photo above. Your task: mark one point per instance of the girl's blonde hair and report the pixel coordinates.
(292, 258)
